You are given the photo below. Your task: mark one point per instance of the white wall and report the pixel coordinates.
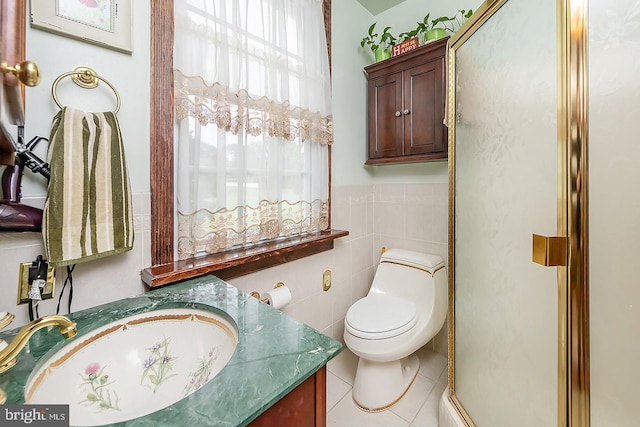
(129, 74)
(349, 20)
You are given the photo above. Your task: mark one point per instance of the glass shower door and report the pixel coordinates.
(614, 211)
(506, 189)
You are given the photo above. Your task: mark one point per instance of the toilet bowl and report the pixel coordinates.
(404, 309)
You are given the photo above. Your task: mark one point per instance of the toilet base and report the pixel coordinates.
(378, 385)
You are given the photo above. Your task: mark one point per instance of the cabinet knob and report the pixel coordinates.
(398, 113)
(407, 111)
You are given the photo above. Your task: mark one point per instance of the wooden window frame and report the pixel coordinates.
(165, 269)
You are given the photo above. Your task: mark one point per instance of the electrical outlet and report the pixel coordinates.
(326, 280)
(23, 283)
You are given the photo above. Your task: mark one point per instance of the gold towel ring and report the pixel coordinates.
(87, 78)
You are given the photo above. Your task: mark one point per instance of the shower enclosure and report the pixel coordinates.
(544, 167)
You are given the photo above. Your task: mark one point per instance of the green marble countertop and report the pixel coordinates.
(275, 353)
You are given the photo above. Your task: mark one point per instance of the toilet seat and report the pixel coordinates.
(379, 316)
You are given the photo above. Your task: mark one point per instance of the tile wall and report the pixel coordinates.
(410, 216)
(94, 283)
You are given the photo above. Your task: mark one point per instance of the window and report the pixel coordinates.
(286, 140)
(253, 109)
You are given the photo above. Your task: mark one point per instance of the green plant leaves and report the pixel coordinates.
(371, 28)
(386, 39)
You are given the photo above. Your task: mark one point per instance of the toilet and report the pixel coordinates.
(404, 309)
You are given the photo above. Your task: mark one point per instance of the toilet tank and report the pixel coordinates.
(417, 276)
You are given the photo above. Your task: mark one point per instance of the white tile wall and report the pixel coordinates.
(411, 216)
(94, 283)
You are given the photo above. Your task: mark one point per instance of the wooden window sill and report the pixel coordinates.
(239, 262)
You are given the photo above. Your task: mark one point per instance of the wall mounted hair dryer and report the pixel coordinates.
(15, 216)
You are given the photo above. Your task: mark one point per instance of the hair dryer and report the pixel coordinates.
(15, 216)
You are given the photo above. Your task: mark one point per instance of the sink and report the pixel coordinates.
(134, 366)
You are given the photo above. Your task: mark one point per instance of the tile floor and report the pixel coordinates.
(418, 407)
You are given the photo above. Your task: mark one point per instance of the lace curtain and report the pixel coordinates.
(253, 111)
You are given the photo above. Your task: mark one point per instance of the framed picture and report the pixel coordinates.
(105, 23)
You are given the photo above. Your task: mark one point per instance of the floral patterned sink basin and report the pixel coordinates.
(134, 366)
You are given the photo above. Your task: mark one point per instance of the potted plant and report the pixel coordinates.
(438, 27)
(464, 15)
(433, 29)
(407, 35)
(380, 45)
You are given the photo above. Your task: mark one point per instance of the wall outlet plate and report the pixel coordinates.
(23, 283)
(326, 280)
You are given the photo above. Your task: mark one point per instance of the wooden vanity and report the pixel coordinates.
(276, 376)
(304, 406)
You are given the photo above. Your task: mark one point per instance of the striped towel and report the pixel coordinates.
(87, 213)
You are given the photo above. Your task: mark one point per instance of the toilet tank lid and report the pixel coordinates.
(415, 259)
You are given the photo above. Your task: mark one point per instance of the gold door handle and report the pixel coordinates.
(27, 72)
(550, 251)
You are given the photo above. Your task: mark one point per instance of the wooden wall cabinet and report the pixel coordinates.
(406, 106)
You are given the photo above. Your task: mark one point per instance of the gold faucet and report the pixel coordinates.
(9, 352)
(5, 319)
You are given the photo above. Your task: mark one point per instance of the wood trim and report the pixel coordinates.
(161, 146)
(433, 50)
(408, 159)
(13, 16)
(13, 50)
(321, 401)
(326, 12)
(230, 264)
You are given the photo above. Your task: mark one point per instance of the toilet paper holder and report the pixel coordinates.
(256, 294)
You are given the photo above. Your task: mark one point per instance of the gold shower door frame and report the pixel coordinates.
(573, 279)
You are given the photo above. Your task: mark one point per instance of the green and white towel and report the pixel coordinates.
(87, 213)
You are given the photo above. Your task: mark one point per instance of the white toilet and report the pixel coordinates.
(404, 309)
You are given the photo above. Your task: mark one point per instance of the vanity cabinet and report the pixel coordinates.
(278, 369)
(406, 106)
(304, 406)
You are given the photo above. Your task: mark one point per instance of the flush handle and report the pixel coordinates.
(550, 251)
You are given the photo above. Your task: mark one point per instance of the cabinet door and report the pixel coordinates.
(385, 116)
(423, 112)
(304, 406)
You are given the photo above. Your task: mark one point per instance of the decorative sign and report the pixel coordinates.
(405, 46)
